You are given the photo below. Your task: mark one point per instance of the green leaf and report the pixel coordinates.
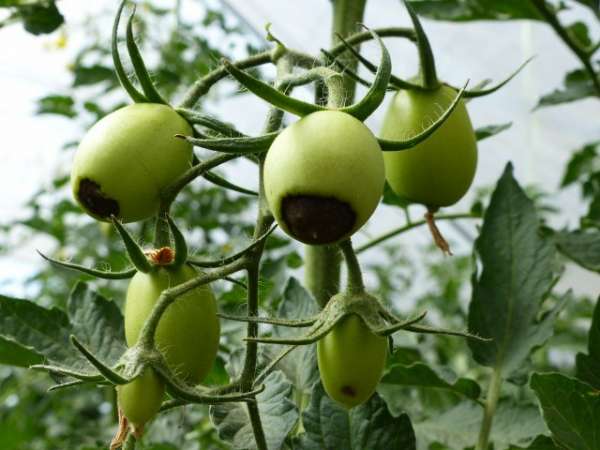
(581, 246)
(580, 33)
(577, 85)
(57, 104)
(301, 366)
(14, 354)
(88, 75)
(583, 163)
(391, 198)
(571, 410)
(594, 5)
(45, 332)
(466, 10)
(277, 412)
(491, 130)
(516, 277)
(42, 18)
(370, 426)
(421, 375)
(97, 323)
(458, 428)
(588, 366)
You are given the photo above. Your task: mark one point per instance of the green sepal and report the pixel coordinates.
(424, 329)
(197, 118)
(139, 67)
(65, 372)
(345, 70)
(235, 256)
(376, 93)
(104, 370)
(135, 252)
(482, 92)
(426, 59)
(181, 248)
(301, 323)
(220, 181)
(74, 383)
(104, 274)
(392, 146)
(135, 95)
(237, 145)
(270, 94)
(395, 82)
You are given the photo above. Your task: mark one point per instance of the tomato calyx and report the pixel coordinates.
(163, 256)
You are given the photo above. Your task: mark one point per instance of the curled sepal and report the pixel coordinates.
(139, 67)
(222, 182)
(135, 252)
(426, 59)
(181, 248)
(104, 274)
(397, 326)
(194, 395)
(197, 118)
(392, 146)
(270, 94)
(104, 370)
(301, 323)
(482, 92)
(374, 96)
(65, 372)
(432, 330)
(237, 145)
(395, 82)
(330, 59)
(135, 95)
(235, 256)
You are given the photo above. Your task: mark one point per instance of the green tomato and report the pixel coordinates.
(323, 177)
(188, 332)
(351, 361)
(140, 399)
(438, 171)
(127, 158)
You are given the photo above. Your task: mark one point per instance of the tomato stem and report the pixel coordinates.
(355, 280)
(491, 402)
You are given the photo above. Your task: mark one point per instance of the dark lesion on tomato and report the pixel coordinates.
(317, 220)
(90, 195)
(348, 391)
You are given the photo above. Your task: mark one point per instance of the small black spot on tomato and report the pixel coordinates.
(349, 391)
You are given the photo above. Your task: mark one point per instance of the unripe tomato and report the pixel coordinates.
(188, 332)
(351, 361)
(438, 171)
(324, 177)
(127, 158)
(140, 399)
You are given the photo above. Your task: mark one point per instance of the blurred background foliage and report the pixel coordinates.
(219, 221)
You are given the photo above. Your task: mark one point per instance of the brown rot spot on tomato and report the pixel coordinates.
(93, 199)
(317, 220)
(348, 391)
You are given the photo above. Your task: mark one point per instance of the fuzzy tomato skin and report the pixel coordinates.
(351, 361)
(140, 399)
(324, 177)
(126, 158)
(188, 332)
(438, 171)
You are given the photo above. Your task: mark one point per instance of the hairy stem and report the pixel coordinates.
(491, 402)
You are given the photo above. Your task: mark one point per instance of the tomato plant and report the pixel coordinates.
(324, 177)
(211, 313)
(351, 361)
(125, 160)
